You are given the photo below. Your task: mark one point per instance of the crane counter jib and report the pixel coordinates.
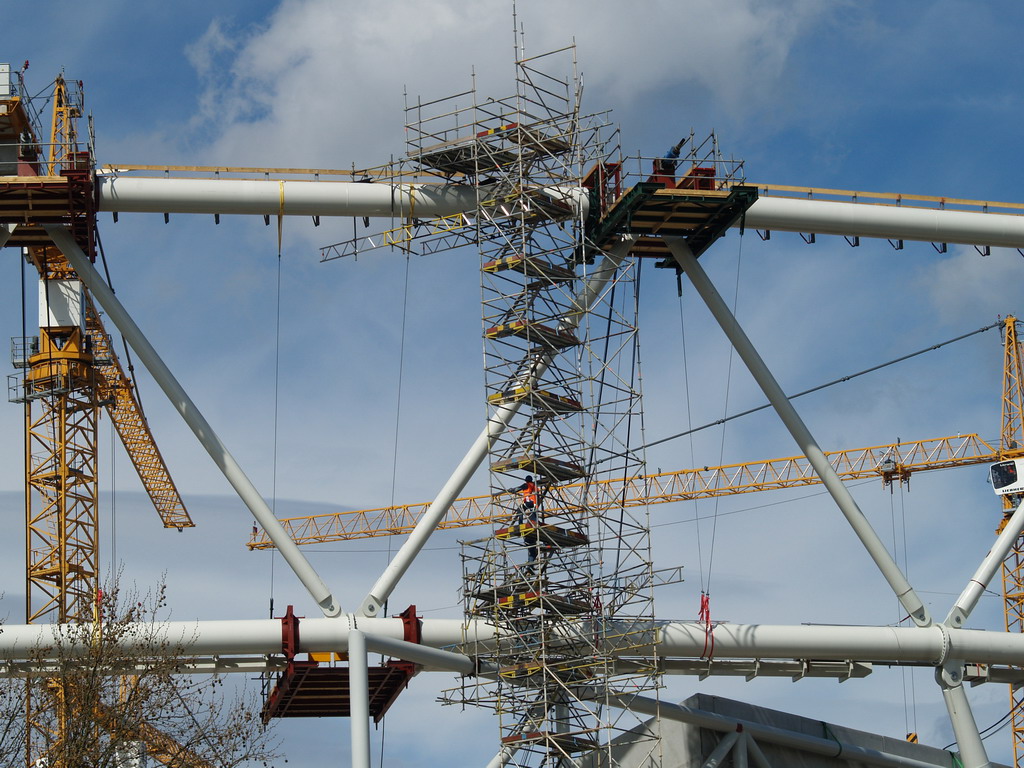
(123, 194)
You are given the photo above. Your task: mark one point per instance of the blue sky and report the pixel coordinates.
(919, 98)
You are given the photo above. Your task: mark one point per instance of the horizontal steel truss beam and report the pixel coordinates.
(121, 194)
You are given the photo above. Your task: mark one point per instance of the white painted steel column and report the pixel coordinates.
(359, 699)
(374, 601)
(965, 728)
(979, 582)
(950, 676)
(195, 420)
(787, 413)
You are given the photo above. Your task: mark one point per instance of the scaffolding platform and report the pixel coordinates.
(558, 604)
(306, 689)
(528, 593)
(541, 142)
(461, 157)
(531, 266)
(491, 594)
(542, 401)
(528, 672)
(652, 210)
(534, 333)
(545, 532)
(487, 150)
(558, 470)
(555, 743)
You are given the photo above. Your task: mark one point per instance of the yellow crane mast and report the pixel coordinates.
(891, 462)
(1011, 440)
(70, 372)
(63, 127)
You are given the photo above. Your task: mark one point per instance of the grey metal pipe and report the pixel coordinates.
(787, 413)
(755, 751)
(195, 420)
(721, 749)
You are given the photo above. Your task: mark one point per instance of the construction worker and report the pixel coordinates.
(663, 169)
(529, 500)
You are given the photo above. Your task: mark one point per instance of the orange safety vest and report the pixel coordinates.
(530, 493)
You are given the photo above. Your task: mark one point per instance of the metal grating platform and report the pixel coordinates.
(306, 689)
(653, 211)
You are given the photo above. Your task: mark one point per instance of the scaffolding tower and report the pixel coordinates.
(568, 591)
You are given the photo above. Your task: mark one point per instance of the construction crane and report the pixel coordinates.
(69, 372)
(1011, 438)
(893, 462)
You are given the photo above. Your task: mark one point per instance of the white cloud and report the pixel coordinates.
(322, 82)
(964, 281)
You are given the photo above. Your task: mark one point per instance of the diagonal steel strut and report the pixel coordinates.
(195, 420)
(787, 413)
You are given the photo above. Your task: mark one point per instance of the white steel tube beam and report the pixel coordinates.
(286, 198)
(927, 646)
(195, 420)
(429, 658)
(374, 601)
(359, 699)
(239, 637)
(787, 413)
(770, 734)
(932, 225)
(933, 645)
(125, 194)
(979, 582)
